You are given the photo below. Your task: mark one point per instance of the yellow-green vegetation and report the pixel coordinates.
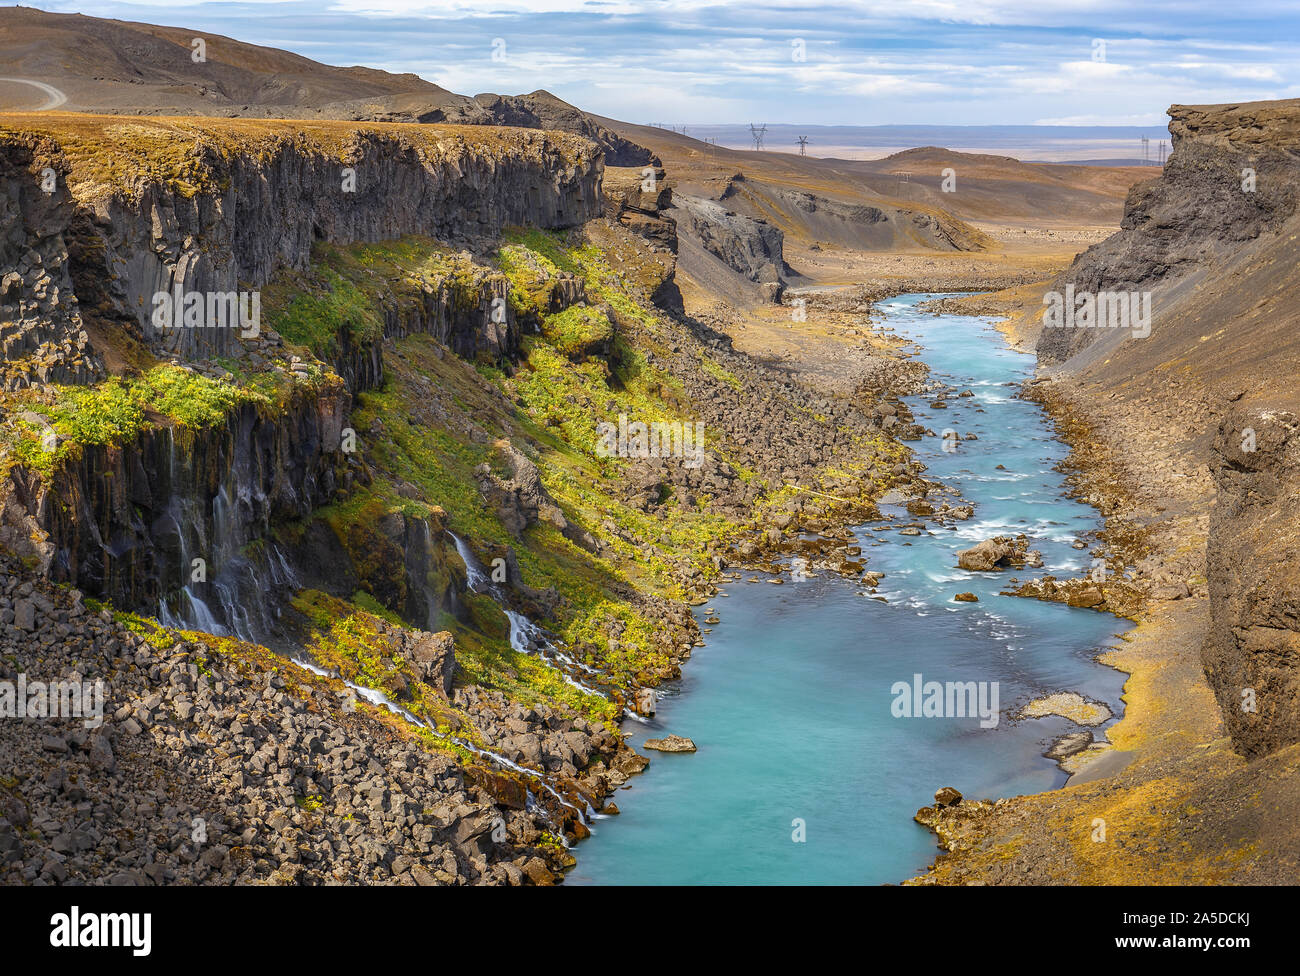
(440, 461)
(364, 649)
(578, 331)
(720, 374)
(316, 314)
(116, 410)
(435, 419)
(157, 635)
(484, 657)
(255, 661)
(342, 299)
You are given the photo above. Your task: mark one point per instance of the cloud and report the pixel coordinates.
(938, 61)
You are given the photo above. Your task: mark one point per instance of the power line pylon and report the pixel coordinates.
(803, 145)
(758, 132)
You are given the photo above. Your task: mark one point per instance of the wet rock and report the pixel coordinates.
(1068, 744)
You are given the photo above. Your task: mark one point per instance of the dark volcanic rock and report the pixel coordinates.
(752, 247)
(43, 339)
(266, 209)
(1252, 651)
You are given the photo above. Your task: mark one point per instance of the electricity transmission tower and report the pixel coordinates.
(1163, 146)
(758, 132)
(1146, 146)
(803, 145)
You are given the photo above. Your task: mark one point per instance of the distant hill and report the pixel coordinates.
(116, 66)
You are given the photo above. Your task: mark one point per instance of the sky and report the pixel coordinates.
(682, 62)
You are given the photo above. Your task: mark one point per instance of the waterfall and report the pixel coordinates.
(239, 601)
(525, 636)
(477, 576)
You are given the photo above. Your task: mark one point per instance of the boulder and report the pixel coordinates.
(994, 554)
(671, 743)
(947, 797)
(1068, 744)
(435, 655)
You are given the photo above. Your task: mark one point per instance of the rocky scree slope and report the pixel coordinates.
(219, 763)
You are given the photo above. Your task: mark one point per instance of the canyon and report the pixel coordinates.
(374, 600)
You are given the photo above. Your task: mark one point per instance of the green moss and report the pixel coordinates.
(341, 300)
(148, 628)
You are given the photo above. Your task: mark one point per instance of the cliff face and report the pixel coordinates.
(641, 206)
(469, 312)
(238, 207)
(267, 211)
(754, 248)
(41, 335)
(1252, 652)
(1222, 263)
(1204, 207)
(125, 523)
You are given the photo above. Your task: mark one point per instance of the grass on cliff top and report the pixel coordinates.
(122, 153)
(116, 410)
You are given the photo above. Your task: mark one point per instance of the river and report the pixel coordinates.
(804, 774)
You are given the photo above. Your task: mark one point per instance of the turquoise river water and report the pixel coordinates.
(791, 701)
